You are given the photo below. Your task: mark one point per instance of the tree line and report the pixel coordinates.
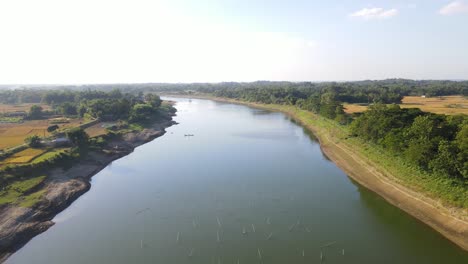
(383, 91)
(431, 142)
(113, 105)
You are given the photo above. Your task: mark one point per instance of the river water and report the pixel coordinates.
(250, 186)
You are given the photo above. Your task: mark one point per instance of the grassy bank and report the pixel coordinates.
(445, 193)
(24, 167)
(450, 192)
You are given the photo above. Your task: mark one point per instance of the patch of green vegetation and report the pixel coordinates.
(32, 199)
(26, 185)
(17, 190)
(451, 191)
(6, 119)
(47, 156)
(136, 126)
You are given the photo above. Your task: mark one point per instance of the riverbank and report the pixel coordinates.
(369, 169)
(19, 224)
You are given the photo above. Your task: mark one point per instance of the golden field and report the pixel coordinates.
(449, 105)
(24, 156)
(5, 108)
(96, 130)
(14, 134)
(354, 108)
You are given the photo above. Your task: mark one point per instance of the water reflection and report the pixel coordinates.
(247, 187)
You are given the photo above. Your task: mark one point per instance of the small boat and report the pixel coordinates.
(244, 232)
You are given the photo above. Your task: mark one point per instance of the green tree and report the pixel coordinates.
(423, 146)
(68, 109)
(153, 100)
(78, 137)
(35, 112)
(82, 110)
(141, 112)
(461, 141)
(52, 128)
(33, 141)
(445, 162)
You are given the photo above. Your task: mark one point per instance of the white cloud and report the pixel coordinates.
(375, 13)
(456, 7)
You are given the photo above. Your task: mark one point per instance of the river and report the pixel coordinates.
(250, 186)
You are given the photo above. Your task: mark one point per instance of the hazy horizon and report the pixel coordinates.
(183, 41)
(175, 83)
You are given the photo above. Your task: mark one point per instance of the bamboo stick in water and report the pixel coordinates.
(270, 236)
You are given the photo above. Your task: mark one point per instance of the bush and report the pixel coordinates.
(52, 128)
(33, 141)
(78, 137)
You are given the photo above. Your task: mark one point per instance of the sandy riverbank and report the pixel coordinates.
(450, 222)
(18, 224)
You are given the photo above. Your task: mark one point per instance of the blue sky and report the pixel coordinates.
(210, 41)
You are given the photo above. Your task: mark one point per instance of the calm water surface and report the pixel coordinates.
(250, 187)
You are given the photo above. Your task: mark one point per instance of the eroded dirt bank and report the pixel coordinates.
(18, 225)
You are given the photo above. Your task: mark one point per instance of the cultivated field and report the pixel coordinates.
(354, 108)
(96, 130)
(5, 108)
(449, 105)
(14, 134)
(24, 156)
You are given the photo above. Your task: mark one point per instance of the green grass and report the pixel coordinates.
(32, 199)
(18, 191)
(47, 156)
(136, 126)
(11, 119)
(452, 192)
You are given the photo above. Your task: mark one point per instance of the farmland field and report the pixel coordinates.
(96, 130)
(24, 156)
(354, 108)
(5, 108)
(449, 105)
(14, 134)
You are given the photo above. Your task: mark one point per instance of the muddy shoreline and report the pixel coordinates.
(450, 222)
(18, 225)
